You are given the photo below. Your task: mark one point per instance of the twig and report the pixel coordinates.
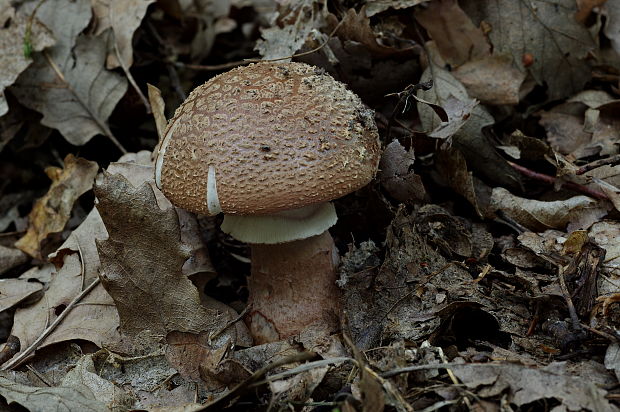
(215, 67)
(566, 185)
(23, 355)
(612, 160)
(216, 333)
(219, 403)
(132, 81)
(102, 126)
(302, 368)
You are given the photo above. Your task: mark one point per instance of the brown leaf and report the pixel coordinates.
(377, 6)
(548, 32)
(451, 165)
(60, 399)
(51, 212)
(10, 258)
(14, 291)
(525, 385)
(537, 215)
(468, 137)
(457, 38)
(123, 17)
(94, 319)
(142, 260)
(491, 79)
(69, 84)
(12, 58)
(396, 175)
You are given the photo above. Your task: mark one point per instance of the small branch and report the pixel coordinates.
(132, 81)
(566, 185)
(22, 356)
(612, 160)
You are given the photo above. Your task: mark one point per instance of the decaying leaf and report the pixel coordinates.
(526, 385)
(59, 399)
(123, 17)
(10, 258)
(147, 285)
(579, 211)
(457, 38)
(492, 79)
(468, 137)
(453, 168)
(51, 212)
(12, 58)
(14, 291)
(396, 174)
(83, 376)
(285, 40)
(95, 319)
(69, 84)
(377, 6)
(546, 30)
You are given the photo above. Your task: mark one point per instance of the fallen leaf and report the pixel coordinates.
(493, 79)
(51, 212)
(469, 139)
(57, 399)
(378, 6)
(69, 84)
(83, 377)
(285, 40)
(525, 385)
(547, 30)
(579, 211)
(612, 25)
(13, 60)
(458, 112)
(396, 174)
(147, 285)
(14, 291)
(457, 38)
(10, 258)
(95, 319)
(453, 168)
(123, 17)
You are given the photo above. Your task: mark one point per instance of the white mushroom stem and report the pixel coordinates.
(292, 287)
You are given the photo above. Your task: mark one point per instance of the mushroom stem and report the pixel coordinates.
(293, 286)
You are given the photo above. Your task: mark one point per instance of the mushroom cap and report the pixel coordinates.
(264, 138)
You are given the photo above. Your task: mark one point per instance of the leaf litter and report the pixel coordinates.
(479, 271)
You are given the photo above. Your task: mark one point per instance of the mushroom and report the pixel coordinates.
(269, 145)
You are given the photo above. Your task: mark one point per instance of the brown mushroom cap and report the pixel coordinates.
(273, 137)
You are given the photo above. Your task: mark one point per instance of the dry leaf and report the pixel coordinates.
(123, 17)
(546, 30)
(453, 168)
(537, 215)
(285, 40)
(95, 319)
(51, 212)
(526, 385)
(12, 58)
(491, 79)
(14, 291)
(10, 258)
(481, 156)
(457, 38)
(396, 174)
(377, 6)
(612, 25)
(78, 99)
(57, 399)
(84, 375)
(147, 285)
